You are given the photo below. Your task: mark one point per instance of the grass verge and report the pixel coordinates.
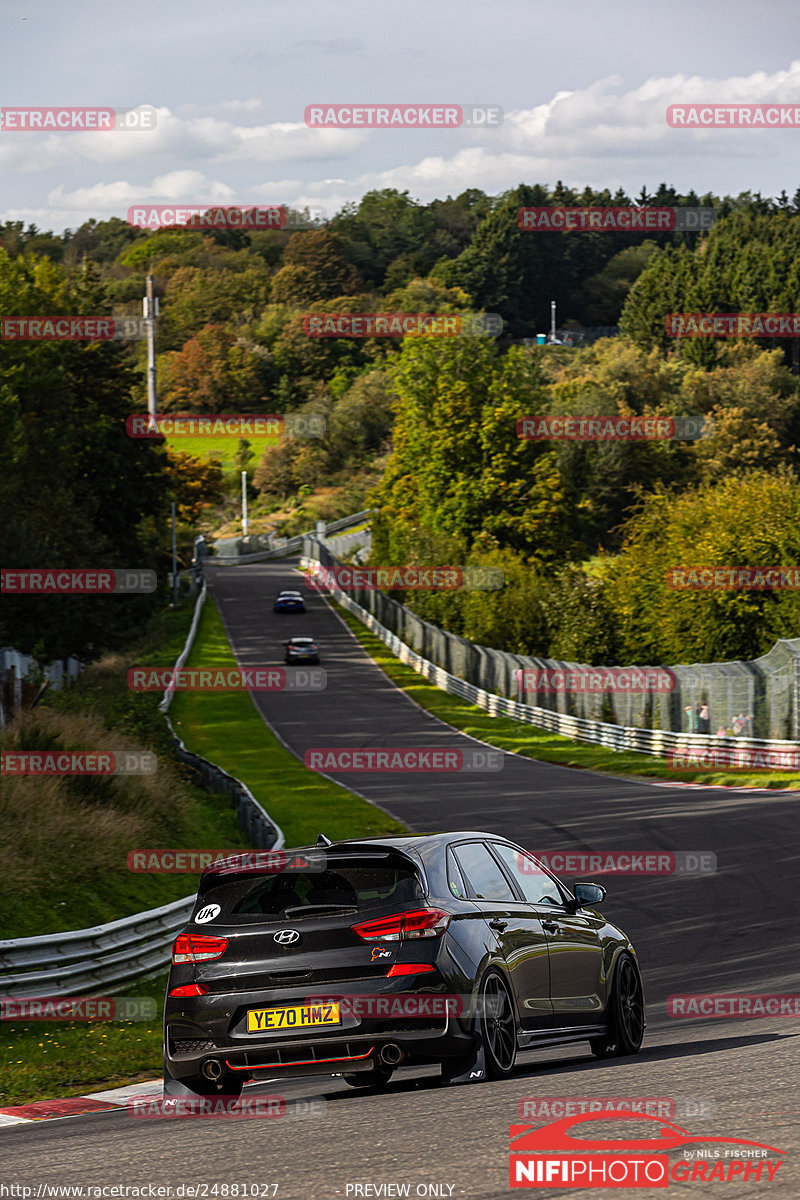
(64, 1058)
(64, 840)
(46, 1059)
(530, 742)
(226, 728)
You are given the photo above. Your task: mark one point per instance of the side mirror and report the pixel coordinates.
(587, 894)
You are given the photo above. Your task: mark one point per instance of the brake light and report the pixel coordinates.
(408, 969)
(195, 947)
(401, 927)
(190, 989)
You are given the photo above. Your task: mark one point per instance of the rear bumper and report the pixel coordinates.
(312, 1052)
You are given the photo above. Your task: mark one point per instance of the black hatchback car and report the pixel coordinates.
(359, 956)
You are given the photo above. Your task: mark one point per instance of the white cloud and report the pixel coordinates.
(605, 134)
(194, 139)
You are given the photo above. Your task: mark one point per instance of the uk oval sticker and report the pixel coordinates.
(207, 914)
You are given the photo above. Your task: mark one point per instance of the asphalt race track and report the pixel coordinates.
(732, 931)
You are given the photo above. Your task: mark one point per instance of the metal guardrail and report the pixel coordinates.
(83, 960)
(80, 962)
(292, 545)
(253, 819)
(346, 522)
(657, 742)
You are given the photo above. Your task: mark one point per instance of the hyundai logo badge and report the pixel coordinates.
(286, 937)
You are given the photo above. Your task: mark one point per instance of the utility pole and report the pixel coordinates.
(552, 320)
(244, 503)
(174, 561)
(150, 306)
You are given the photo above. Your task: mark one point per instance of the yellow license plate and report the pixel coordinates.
(259, 1020)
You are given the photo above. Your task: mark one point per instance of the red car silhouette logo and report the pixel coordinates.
(557, 1136)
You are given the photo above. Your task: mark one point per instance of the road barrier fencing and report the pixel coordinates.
(766, 692)
(228, 552)
(85, 960)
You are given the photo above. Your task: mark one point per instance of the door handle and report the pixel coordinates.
(549, 927)
(497, 924)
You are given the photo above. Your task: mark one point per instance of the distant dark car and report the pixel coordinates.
(289, 602)
(284, 973)
(301, 649)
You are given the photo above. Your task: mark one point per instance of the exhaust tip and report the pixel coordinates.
(212, 1069)
(392, 1054)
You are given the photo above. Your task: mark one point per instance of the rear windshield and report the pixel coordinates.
(360, 887)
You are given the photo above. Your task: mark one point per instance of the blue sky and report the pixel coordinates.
(584, 88)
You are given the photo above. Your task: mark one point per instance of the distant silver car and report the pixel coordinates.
(301, 649)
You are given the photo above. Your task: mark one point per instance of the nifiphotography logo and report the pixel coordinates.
(554, 1156)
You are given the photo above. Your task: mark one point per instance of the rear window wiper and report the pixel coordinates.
(301, 909)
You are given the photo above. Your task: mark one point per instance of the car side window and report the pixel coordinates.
(537, 886)
(485, 877)
(455, 880)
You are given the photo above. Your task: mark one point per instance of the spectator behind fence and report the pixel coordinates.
(743, 725)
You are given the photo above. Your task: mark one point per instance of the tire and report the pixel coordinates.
(625, 1014)
(378, 1076)
(498, 1027)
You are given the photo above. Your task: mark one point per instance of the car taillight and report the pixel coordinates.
(408, 969)
(190, 989)
(195, 947)
(400, 927)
